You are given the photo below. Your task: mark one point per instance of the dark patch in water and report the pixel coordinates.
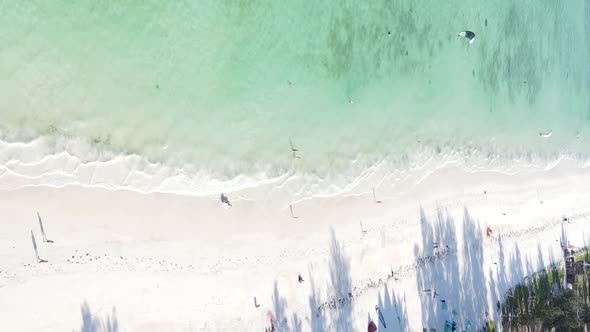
(100, 140)
(486, 22)
(356, 52)
(52, 129)
(504, 62)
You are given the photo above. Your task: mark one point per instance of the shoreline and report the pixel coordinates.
(295, 184)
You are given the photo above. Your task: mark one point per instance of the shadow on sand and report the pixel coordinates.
(92, 323)
(460, 280)
(452, 282)
(392, 314)
(280, 320)
(332, 315)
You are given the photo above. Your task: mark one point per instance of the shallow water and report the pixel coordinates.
(211, 90)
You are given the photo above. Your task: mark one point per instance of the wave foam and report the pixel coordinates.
(58, 161)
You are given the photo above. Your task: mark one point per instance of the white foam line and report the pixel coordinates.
(137, 173)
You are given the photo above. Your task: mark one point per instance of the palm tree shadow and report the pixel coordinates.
(392, 310)
(335, 313)
(441, 275)
(296, 322)
(331, 314)
(454, 289)
(316, 322)
(92, 323)
(280, 319)
(341, 285)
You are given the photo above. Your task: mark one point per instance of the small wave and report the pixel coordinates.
(61, 161)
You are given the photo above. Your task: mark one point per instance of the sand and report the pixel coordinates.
(153, 262)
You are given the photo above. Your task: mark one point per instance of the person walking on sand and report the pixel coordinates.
(300, 279)
(225, 200)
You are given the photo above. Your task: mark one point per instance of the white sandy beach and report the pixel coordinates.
(167, 262)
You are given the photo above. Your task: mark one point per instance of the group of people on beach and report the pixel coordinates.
(337, 303)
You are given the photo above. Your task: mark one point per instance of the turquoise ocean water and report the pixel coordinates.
(214, 90)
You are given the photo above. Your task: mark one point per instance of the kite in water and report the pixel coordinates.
(469, 35)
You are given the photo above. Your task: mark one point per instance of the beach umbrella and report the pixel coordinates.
(372, 327)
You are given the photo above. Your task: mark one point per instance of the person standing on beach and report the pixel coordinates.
(45, 239)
